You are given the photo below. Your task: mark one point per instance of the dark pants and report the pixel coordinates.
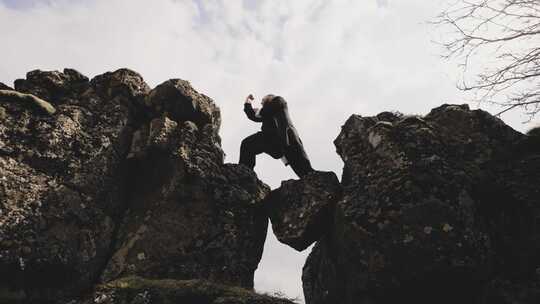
(261, 143)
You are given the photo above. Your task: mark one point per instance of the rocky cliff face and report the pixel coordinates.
(436, 209)
(62, 187)
(119, 180)
(113, 192)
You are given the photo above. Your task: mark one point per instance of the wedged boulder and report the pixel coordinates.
(409, 227)
(137, 290)
(190, 215)
(301, 211)
(61, 185)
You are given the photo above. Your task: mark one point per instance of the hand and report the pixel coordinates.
(249, 98)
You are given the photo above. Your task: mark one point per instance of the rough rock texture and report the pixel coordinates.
(60, 188)
(509, 198)
(412, 225)
(4, 87)
(320, 280)
(113, 192)
(190, 216)
(301, 210)
(181, 102)
(120, 179)
(136, 290)
(54, 86)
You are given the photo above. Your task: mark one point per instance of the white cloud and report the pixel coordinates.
(328, 58)
(382, 3)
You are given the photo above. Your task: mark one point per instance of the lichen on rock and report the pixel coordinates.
(13, 96)
(137, 290)
(60, 191)
(301, 211)
(113, 192)
(110, 186)
(411, 224)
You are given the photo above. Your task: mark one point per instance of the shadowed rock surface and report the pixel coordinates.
(61, 183)
(508, 196)
(320, 274)
(4, 87)
(189, 215)
(301, 210)
(119, 180)
(413, 224)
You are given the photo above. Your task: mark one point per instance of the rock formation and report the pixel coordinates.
(61, 192)
(190, 216)
(113, 192)
(435, 209)
(119, 180)
(301, 210)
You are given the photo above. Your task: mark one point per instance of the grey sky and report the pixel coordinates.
(382, 2)
(328, 58)
(23, 4)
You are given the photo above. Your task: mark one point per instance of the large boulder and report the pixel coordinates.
(190, 216)
(181, 102)
(122, 82)
(60, 187)
(53, 86)
(301, 211)
(118, 180)
(508, 197)
(137, 290)
(409, 227)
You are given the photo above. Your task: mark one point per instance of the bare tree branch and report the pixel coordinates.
(505, 32)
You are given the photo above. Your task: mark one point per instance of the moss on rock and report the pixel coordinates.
(7, 95)
(135, 289)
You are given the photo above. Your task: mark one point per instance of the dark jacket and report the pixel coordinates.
(277, 125)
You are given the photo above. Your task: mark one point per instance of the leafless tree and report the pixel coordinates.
(503, 37)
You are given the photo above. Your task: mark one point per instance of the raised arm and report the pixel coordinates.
(248, 109)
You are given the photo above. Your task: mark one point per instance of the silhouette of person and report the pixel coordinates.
(277, 138)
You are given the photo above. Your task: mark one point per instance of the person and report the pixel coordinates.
(277, 138)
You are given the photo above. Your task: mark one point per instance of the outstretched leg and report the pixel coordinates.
(301, 167)
(299, 161)
(250, 147)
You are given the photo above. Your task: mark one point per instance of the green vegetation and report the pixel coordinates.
(7, 95)
(165, 291)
